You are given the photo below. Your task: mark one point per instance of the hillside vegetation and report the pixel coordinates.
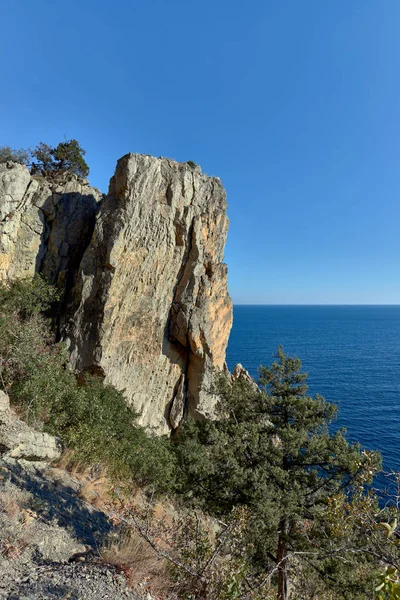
(271, 501)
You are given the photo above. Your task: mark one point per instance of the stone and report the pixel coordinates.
(241, 374)
(4, 401)
(151, 305)
(34, 445)
(45, 224)
(19, 441)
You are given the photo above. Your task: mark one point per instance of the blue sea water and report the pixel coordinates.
(352, 357)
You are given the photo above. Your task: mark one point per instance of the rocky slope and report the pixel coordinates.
(146, 293)
(46, 528)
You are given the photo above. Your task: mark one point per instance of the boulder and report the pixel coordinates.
(20, 441)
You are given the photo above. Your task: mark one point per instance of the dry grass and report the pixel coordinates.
(16, 519)
(13, 501)
(95, 484)
(142, 566)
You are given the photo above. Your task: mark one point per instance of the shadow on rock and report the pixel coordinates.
(57, 501)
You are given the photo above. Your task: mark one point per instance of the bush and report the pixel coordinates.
(17, 156)
(27, 297)
(66, 157)
(43, 153)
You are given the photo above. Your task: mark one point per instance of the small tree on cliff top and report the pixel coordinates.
(272, 452)
(67, 156)
(18, 156)
(43, 153)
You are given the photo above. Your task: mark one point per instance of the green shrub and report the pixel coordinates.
(27, 297)
(191, 164)
(43, 153)
(67, 156)
(90, 417)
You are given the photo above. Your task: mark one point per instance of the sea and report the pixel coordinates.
(351, 355)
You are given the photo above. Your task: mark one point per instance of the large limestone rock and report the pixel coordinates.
(45, 224)
(152, 309)
(146, 288)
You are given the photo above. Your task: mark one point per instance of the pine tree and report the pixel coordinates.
(272, 451)
(68, 156)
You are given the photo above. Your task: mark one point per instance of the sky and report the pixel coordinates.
(294, 104)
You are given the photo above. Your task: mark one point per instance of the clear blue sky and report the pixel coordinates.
(294, 104)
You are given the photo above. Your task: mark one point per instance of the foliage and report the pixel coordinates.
(272, 451)
(19, 156)
(389, 584)
(90, 417)
(220, 570)
(212, 578)
(27, 297)
(43, 153)
(204, 556)
(191, 164)
(68, 156)
(388, 587)
(293, 498)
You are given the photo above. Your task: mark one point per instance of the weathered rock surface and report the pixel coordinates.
(153, 309)
(45, 224)
(149, 306)
(18, 440)
(241, 374)
(4, 402)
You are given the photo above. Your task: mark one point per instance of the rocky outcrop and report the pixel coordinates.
(153, 311)
(241, 374)
(45, 224)
(18, 440)
(145, 288)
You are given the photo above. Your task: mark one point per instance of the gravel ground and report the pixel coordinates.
(44, 530)
(79, 581)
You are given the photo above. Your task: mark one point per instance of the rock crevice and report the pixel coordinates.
(45, 224)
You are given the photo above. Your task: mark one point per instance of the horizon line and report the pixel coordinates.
(304, 304)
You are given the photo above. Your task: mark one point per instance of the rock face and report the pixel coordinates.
(145, 289)
(45, 224)
(18, 440)
(152, 305)
(241, 374)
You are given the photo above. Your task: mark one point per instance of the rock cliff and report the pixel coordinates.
(45, 224)
(148, 304)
